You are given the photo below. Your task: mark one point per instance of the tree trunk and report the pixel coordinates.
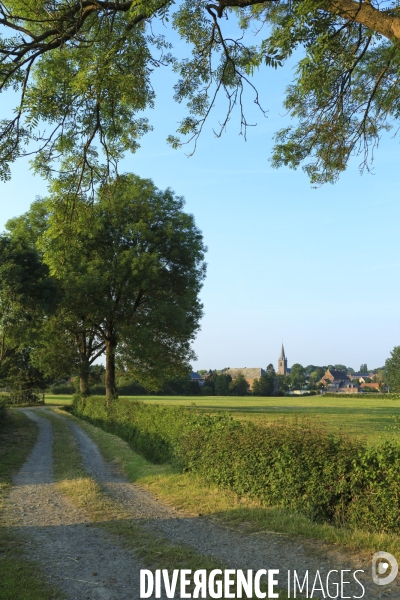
(111, 389)
(84, 376)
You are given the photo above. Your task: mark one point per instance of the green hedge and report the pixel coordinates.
(296, 465)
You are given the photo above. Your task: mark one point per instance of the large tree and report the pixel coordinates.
(65, 341)
(81, 74)
(297, 376)
(134, 262)
(265, 385)
(28, 294)
(239, 386)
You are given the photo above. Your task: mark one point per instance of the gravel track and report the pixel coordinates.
(82, 561)
(236, 550)
(71, 551)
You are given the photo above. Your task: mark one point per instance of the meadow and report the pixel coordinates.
(371, 418)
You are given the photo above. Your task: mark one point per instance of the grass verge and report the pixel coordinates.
(188, 492)
(20, 579)
(156, 552)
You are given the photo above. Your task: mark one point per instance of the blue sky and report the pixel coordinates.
(315, 268)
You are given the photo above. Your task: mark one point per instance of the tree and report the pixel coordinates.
(207, 390)
(297, 376)
(66, 340)
(239, 386)
(18, 374)
(181, 386)
(364, 368)
(340, 367)
(271, 370)
(381, 378)
(97, 375)
(221, 384)
(135, 261)
(27, 295)
(264, 386)
(315, 376)
(81, 72)
(283, 384)
(392, 370)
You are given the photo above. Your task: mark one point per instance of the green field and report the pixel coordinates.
(58, 400)
(369, 417)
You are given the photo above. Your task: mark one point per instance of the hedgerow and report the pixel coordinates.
(298, 465)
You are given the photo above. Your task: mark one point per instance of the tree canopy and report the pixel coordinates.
(81, 75)
(392, 368)
(264, 386)
(27, 294)
(239, 386)
(130, 267)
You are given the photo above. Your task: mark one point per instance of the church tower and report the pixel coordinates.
(282, 363)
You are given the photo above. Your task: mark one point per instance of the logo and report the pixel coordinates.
(384, 568)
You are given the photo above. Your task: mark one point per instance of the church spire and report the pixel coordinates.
(282, 362)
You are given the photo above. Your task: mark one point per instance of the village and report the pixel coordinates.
(298, 380)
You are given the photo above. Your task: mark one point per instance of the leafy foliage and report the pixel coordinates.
(221, 384)
(298, 465)
(82, 75)
(27, 294)
(65, 342)
(239, 386)
(131, 266)
(21, 377)
(264, 386)
(392, 367)
(297, 376)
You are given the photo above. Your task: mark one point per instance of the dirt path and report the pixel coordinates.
(72, 551)
(235, 550)
(83, 561)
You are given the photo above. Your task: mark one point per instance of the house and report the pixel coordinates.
(361, 376)
(338, 382)
(351, 388)
(250, 374)
(332, 376)
(194, 376)
(374, 386)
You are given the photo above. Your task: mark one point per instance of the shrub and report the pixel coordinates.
(27, 396)
(297, 465)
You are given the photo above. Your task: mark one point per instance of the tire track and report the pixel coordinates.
(82, 561)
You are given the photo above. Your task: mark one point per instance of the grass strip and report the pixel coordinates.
(188, 492)
(84, 492)
(20, 579)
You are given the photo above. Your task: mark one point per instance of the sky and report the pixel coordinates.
(316, 269)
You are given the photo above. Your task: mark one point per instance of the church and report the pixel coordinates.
(250, 374)
(282, 363)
